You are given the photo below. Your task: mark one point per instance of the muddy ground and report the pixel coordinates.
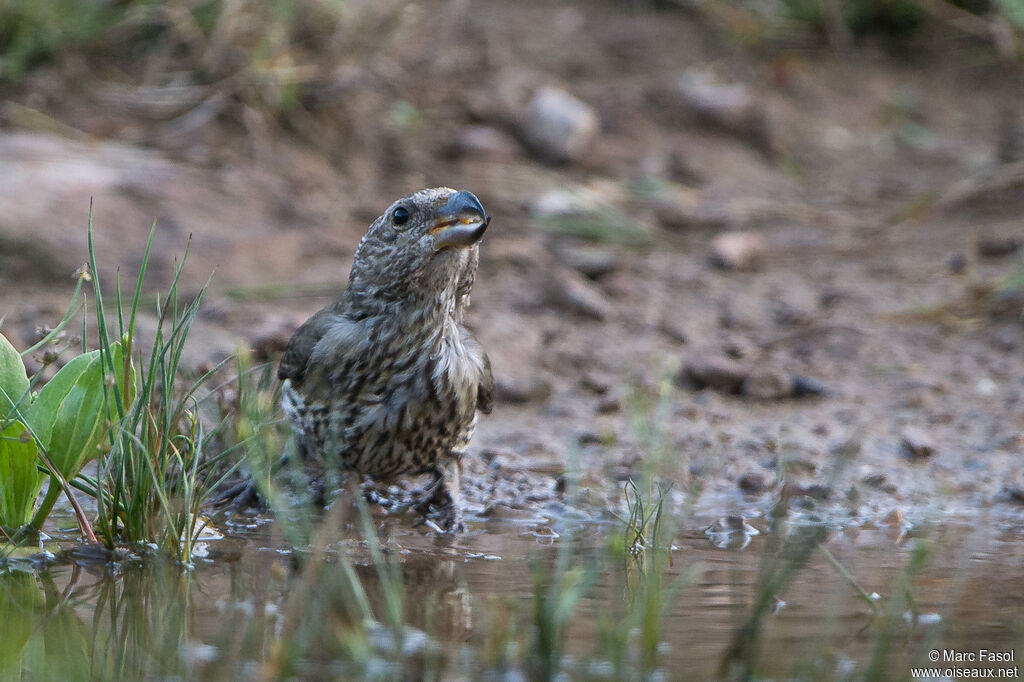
(857, 347)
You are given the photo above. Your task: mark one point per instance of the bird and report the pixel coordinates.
(386, 381)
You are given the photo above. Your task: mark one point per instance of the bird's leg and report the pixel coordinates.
(444, 494)
(426, 496)
(318, 492)
(450, 518)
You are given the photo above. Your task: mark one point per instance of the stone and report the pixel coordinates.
(729, 107)
(558, 126)
(1013, 493)
(814, 491)
(521, 390)
(593, 262)
(485, 142)
(917, 443)
(751, 482)
(741, 250)
(572, 292)
(685, 209)
(673, 329)
(997, 247)
(804, 386)
(714, 371)
(894, 519)
(956, 263)
(768, 383)
(44, 200)
(597, 382)
(879, 481)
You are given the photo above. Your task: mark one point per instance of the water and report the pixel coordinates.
(253, 609)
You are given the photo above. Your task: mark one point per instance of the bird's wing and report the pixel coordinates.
(485, 391)
(300, 347)
(485, 388)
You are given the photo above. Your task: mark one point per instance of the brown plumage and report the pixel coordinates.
(386, 381)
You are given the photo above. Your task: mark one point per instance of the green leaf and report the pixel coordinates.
(13, 379)
(20, 480)
(74, 432)
(43, 411)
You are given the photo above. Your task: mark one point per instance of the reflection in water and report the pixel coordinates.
(466, 605)
(74, 622)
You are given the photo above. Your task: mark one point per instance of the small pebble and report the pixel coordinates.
(571, 291)
(1013, 493)
(596, 383)
(714, 371)
(732, 107)
(846, 449)
(893, 519)
(956, 264)
(558, 126)
(486, 142)
(685, 210)
(809, 386)
(593, 262)
(917, 443)
(997, 247)
(768, 383)
(986, 387)
(1007, 338)
(742, 250)
(817, 491)
(521, 390)
(751, 482)
(673, 330)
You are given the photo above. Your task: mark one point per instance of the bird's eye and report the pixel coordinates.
(400, 216)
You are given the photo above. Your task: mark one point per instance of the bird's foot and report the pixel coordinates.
(392, 504)
(444, 522)
(438, 511)
(240, 496)
(434, 505)
(433, 494)
(449, 518)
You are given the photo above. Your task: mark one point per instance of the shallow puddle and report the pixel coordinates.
(468, 605)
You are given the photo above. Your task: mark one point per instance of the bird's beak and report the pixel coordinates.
(461, 222)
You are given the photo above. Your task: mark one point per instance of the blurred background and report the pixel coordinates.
(796, 224)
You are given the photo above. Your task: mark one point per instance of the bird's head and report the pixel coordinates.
(424, 247)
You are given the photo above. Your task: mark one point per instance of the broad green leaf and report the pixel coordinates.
(78, 428)
(43, 411)
(13, 379)
(20, 480)
(80, 423)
